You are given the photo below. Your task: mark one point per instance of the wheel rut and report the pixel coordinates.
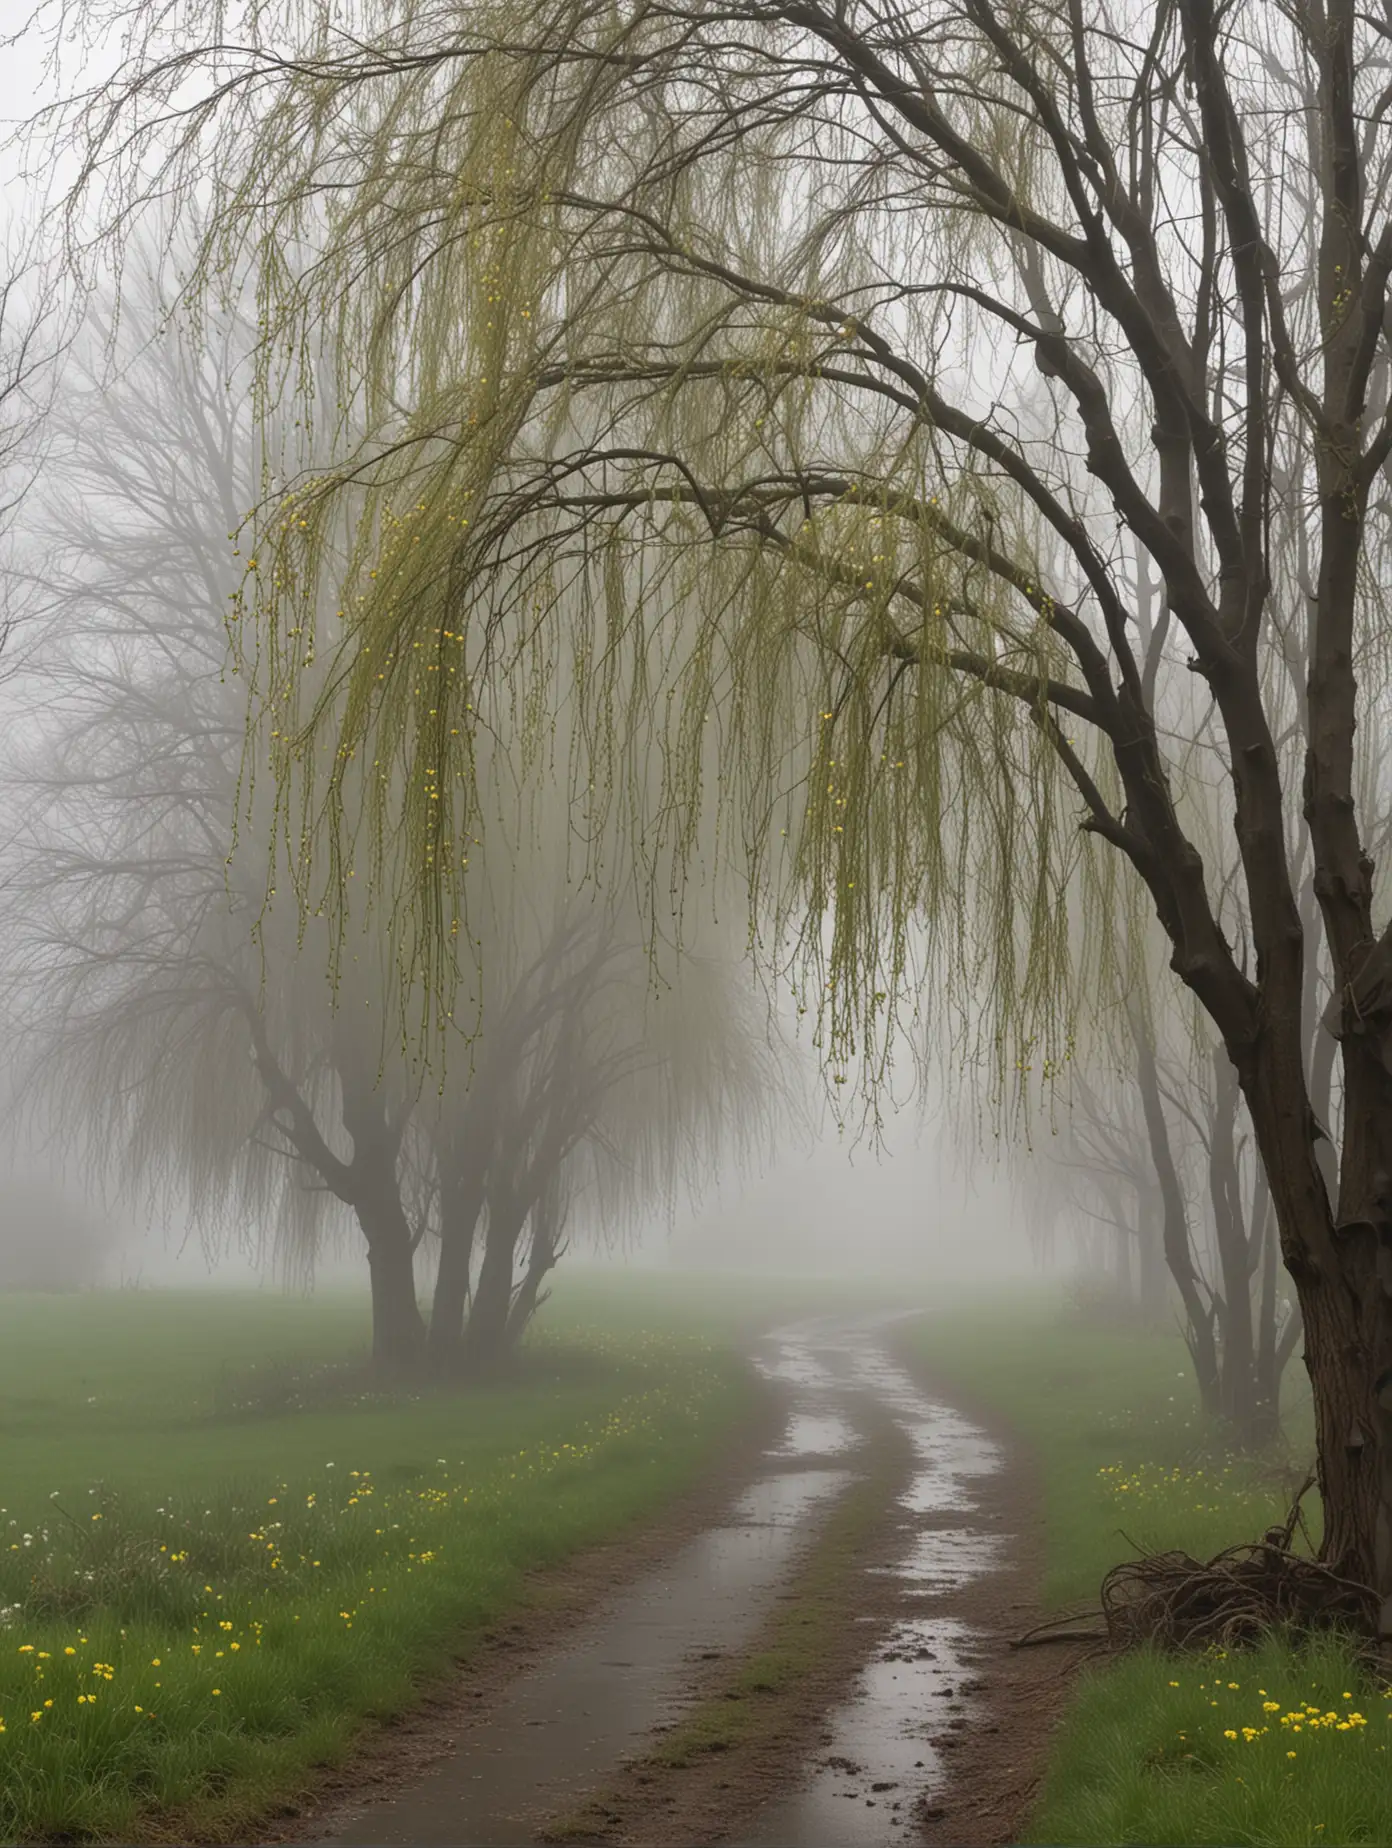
(879, 1492)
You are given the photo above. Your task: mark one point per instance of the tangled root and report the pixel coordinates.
(1174, 1602)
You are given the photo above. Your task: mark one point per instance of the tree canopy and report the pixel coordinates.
(858, 435)
(181, 1029)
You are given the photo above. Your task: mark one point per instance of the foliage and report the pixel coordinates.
(897, 436)
(181, 1027)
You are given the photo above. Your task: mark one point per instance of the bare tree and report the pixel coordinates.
(1160, 1155)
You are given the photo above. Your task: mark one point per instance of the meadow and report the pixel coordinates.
(221, 1552)
(1286, 1744)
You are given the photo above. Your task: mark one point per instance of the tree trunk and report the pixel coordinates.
(485, 1341)
(541, 1258)
(1152, 1252)
(1179, 1256)
(1239, 1392)
(1269, 1362)
(461, 1204)
(398, 1328)
(1343, 1279)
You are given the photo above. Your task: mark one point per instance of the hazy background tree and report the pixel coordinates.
(184, 1031)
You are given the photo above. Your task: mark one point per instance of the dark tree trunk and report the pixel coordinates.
(1179, 1256)
(1343, 1278)
(485, 1343)
(398, 1328)
(1239, 1392)
(541, 1258)
(1269, 1367)
(461, 1204)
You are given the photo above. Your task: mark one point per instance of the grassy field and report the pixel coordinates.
(1280, 1746)
(219, 1553)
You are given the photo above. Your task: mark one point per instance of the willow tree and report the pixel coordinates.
(870, 409)
(176, 1026)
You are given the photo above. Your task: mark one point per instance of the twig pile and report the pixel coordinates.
(1242, 1593)
(1234, 1598)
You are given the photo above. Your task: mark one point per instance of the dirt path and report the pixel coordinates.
(823, 1662)
(882, 1702)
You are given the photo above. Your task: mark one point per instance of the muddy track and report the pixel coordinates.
(398, 1753)
(822, 1660)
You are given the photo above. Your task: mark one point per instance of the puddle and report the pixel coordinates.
(787, 1355)
(565, 1724)
(861, 1791)
(863, 1788)
(812, 1434)
(785, 1500)
(944, 1558)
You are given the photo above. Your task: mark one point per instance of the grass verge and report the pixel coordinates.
(1285, 1744)
(217, 1561)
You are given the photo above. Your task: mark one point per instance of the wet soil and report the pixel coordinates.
(915, 1721)
(396, 1755)
(757, 1722)
(1018, 1695)
(875, 1558)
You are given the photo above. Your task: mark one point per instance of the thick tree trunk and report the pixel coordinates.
(398, 1328)
(1348, 1351)
(1343, 1280)
(374, 1190)
(450, 1299)
(1239, 1390)
(1269, 1366)
(485, 1343)
(461, 1205)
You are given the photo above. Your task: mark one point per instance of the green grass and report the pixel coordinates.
(220, 1553)
(1113, 1421)
(1275, 1746)
(1143, 1753)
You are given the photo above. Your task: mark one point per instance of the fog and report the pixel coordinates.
(826, 1208)
(832, 1211)
(184, 1051)
(695, 720)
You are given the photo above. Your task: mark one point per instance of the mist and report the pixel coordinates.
(695, 922)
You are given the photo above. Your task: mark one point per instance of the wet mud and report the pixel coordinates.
(570, 1719)
(883, 1743)
(880, 1765)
